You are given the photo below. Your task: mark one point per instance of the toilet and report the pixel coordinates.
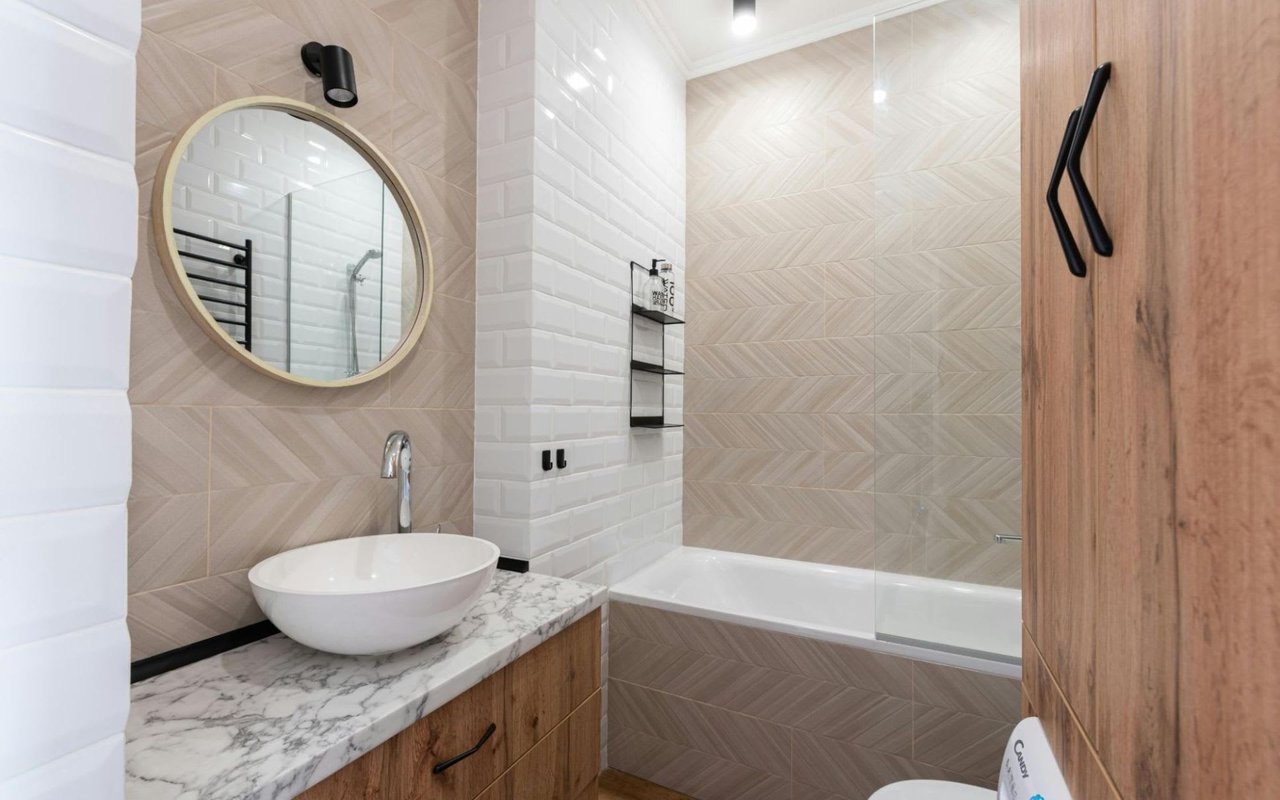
(1028, 771)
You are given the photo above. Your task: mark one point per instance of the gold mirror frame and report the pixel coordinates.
(167, 246)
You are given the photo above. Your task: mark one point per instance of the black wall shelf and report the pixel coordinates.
(656, 369)
(662, 318)
(653, 422)
(657, 316)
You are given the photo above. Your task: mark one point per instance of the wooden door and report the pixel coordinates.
(1188, 387)
(1058, 359)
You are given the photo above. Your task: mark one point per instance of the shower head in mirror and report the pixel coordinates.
(354, 269)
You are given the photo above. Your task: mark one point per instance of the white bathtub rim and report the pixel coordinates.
(623, 593)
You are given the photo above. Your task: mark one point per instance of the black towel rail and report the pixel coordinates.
(241, 260)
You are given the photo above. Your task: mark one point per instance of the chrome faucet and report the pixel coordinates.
(397, 462)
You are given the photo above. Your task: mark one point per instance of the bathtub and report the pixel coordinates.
(944, 622)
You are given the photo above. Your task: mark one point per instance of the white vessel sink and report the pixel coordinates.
(374, 594)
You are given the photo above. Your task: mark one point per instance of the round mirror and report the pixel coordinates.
(292, 241)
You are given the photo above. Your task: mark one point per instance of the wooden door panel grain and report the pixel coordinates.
(1136, 722)
(553, 679)
(1188, 321)
(1058, 357)
(453, 729)
(584, 748)
(563, 765)
(1071, 746)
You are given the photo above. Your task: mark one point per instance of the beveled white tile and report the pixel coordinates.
(63, 571)
(76, 88)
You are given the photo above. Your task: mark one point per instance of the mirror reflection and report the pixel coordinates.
(294, 243)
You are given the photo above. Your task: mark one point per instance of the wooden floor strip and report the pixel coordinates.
(615, 785)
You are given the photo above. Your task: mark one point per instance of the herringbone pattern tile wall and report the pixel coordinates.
(724, 712)
(230, 466)
(853, 341)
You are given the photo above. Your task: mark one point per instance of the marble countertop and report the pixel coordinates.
(272, 718)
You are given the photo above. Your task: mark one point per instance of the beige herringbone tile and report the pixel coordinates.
(174, 87)
(768, 694)
(815, 358)
(168, 540)
(847, 547)
(823, 206)
(781, 504)
(995, 392)
(809, 395)
(745, 740)
(179, 615)
(434, 379)
(978, 434)
(954, 226)
(822, 661)
(766, 323)
(967, 519)
(967, 691)
(446, 30)
(923, 297)
(756, 289)
(969, 351)
(688, 771)
(170, 450)
(251, 523)
(960, 743)
(799, 468)
(756, 182)
(768, 431)
(979, 562)
(850, 770)
(434, 124)
(417, 104)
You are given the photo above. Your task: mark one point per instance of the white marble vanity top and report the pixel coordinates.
(272, 718)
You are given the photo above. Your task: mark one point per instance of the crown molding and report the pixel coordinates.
(773, 45)
(666, 34)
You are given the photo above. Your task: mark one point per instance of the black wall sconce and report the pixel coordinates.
(333, 66)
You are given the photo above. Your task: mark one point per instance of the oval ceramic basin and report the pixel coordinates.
(374, 594)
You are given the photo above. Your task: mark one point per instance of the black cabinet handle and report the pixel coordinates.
(443, 765)
(1075, 261)
(1092, 219)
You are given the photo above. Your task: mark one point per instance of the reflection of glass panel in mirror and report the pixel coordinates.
(272, 200)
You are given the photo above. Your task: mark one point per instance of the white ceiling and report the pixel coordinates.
(698, 34)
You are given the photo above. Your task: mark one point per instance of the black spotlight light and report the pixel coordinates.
(333, 66)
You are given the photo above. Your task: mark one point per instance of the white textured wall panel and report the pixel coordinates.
(68, 240)
(580, 171)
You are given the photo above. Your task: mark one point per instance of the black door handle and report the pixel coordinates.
(1092, 219)
(1075, 261)
(449, 762)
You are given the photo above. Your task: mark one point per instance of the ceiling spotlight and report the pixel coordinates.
(744, 17)
(333, 66)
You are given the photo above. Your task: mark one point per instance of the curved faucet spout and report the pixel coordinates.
(397, 462)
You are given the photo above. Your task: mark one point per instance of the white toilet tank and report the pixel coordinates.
(1029, 770)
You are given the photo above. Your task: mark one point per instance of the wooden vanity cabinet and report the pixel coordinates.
(545, 707)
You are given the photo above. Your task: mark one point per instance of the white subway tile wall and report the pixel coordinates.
(67, 249)
(580, 171)
(311, 206)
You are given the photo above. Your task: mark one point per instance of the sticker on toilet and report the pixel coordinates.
(1029, 770)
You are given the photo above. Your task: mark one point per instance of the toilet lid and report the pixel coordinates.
(932, 790)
